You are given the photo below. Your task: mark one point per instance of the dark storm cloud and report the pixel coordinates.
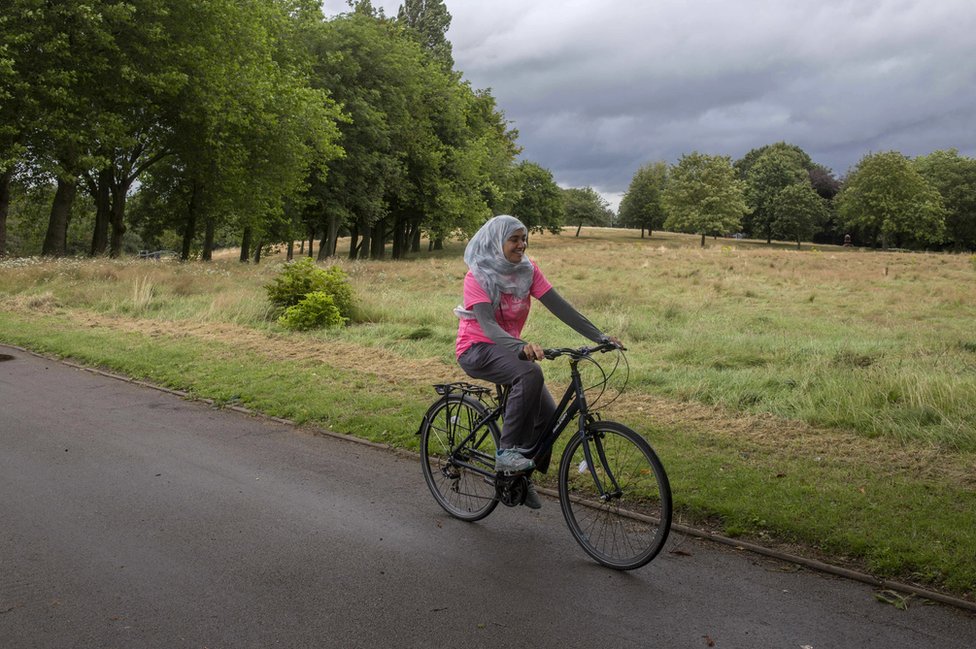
(598, 88)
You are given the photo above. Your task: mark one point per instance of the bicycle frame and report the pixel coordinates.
(573, 403)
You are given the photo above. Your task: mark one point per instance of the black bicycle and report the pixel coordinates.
(613, 490)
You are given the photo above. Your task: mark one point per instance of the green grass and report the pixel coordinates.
(825, 398)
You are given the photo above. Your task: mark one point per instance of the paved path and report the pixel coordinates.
(130, 518)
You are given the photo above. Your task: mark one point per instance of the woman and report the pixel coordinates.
(498, 289)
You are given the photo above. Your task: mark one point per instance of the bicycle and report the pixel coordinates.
(613, 490)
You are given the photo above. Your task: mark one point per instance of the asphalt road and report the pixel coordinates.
(131, 518)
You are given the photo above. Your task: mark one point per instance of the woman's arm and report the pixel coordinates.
(484, 312)
(573, 318)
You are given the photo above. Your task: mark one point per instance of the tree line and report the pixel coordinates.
(777, 191)
(195, 124)
(191, 124)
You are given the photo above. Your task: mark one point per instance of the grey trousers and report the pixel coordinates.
(529, 405)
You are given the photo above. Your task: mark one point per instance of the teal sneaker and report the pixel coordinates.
(532, 500)
(509, 460)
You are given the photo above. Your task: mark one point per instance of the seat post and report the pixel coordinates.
(501, 393)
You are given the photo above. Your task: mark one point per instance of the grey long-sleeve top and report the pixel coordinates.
(485, 314)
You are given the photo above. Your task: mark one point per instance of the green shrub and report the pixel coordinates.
(317, 309)
(301, 278)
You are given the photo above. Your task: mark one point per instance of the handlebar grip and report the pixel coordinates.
(548, 353)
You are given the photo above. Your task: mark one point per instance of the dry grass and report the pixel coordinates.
(716, 329)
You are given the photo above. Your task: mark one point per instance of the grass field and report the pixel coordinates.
(822, 398)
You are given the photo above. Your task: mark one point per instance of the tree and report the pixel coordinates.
(704, 196)
(249, 126)
(823, 181)
(954, 176)
(16, 107)
(773, 170)
(888, 201)
(540, 203)
(427, 21)
(584, 206)
(374, 73)
(58, 65)
(827, 186)
(797, 212)
(425, 152)
(797, 155)
(642, 207)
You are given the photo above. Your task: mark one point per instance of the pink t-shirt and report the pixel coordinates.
(511, 314)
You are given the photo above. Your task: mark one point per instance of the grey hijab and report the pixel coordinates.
(485, 258)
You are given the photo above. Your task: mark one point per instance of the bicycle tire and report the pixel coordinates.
(628, 530)
(462, 492)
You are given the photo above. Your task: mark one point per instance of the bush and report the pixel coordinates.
(302, 278)
(317, 309)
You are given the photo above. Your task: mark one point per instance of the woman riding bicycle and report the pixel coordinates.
(498, 289)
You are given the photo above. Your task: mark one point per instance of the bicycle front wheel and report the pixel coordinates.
(459, 460)
(615, 496)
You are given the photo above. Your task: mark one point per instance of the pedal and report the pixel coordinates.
(511, 490)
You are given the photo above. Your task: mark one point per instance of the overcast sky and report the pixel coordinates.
(598, 88)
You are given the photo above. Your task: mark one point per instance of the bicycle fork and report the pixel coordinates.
(596, 439)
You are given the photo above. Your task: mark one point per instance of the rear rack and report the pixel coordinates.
(461, 386)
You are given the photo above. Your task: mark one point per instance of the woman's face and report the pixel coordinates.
(514, 246)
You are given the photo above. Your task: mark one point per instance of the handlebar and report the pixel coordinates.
(580, 352)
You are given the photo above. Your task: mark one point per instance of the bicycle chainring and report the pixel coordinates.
(511, 490)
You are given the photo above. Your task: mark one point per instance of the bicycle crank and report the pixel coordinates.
(511, 489)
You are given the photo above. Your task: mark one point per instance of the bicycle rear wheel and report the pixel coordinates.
(451, 457)
(626, 526)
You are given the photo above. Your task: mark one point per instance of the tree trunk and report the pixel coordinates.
(119, 190)
(439, 243)
(57, 227)
(323, 248)
(330, 237)
(353, 240)
(578, 228)
(103, 212)
(703, 240)
(257, 252)
(415, 239)
(208, 241)
(291, 250)
(246, 245)
(311, 240)
(189, 229)
(5, 179)
(399, 238)
(365, 246)
(377, 243)
(642, 232)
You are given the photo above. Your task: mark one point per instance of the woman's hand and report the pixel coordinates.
(533, 352)
(612, 339)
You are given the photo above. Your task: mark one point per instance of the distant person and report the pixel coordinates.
(498, 289)
(847, 241)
